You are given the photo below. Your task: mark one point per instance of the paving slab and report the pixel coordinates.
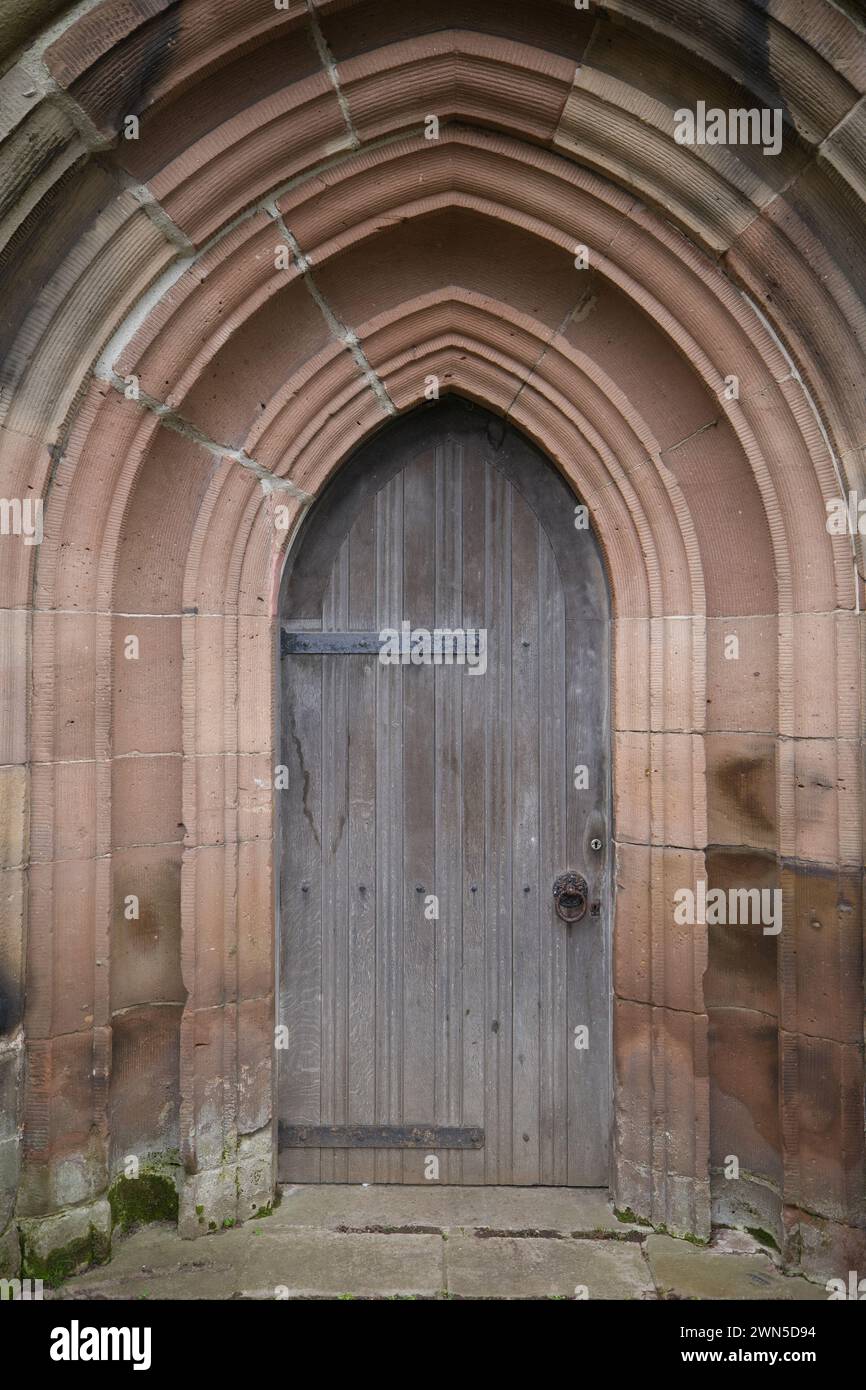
(323, 1264)
(691, 1271)
(241, 1264)
(175, 1285)
(156, 1263)
(740, 1243)
(523, 1267)
(559, 1209)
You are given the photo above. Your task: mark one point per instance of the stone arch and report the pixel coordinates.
(155, 259)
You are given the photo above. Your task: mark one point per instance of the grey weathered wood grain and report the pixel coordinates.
(301, 960)
(389, 829)
(555, 944)
(500, 831)
(473, 764)
(525, 877)
(418, 780)
(361, 756)
(446, 933)
(419, 799)
(335, 882)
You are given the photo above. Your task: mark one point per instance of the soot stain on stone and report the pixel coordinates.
(10, 1004)
(740, 781)
(121, 86)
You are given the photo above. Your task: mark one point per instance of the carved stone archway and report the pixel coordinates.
(203, 321)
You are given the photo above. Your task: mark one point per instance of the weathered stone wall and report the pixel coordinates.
(200, 322)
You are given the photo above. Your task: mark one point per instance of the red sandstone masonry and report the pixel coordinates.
(658, 962)
(729, 523)
(488, 80)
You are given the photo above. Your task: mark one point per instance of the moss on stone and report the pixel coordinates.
(763, 1237)
(91, 1249)
(626, 1214)
(134, 1202)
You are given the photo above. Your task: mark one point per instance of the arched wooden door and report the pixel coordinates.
(435, 1005)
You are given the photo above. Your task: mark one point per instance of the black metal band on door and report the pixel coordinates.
(431, 1137)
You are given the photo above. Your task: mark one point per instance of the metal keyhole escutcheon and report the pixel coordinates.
(570, 893)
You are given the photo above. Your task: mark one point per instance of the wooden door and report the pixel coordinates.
(440, 1021)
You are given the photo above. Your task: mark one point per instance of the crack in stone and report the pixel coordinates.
(702, 429)
(581, 309)
(168, 417)
(410, 1230)
(338, 330)
(326, 58)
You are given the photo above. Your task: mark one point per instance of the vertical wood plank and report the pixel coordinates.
(360, 1001)
(474, 1026)
(301, 954)
(588, 1068)
(389, 830)
(448, 826)
(553, 789)
(334, 872)
(498, 904)
(526, 998)
(419, 805)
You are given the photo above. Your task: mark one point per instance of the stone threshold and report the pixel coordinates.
(387, 1242)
